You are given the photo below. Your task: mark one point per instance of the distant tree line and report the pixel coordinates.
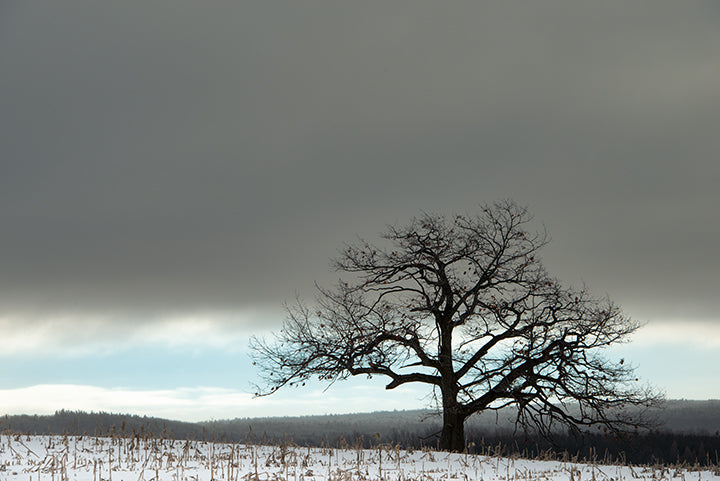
(100, 424)
(690, 434)
(484, 435)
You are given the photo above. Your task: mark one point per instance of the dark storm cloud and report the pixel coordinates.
(172, 155)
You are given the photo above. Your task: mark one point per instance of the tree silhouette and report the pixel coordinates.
(464, 305)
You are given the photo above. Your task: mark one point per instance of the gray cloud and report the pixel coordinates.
(171, 155)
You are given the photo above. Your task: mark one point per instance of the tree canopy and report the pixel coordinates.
(464, 305)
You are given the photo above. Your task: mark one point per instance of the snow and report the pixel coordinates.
(86, 458)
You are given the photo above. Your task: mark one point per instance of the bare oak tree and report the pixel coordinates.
(464, 305)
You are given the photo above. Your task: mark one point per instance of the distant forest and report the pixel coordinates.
(688, 433)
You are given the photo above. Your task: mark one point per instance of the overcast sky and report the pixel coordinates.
(172, 171)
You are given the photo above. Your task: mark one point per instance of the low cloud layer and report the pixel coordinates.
(175, 157)
(189, 404)
(88, 333)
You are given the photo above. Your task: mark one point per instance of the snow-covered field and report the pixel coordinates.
(60, 458)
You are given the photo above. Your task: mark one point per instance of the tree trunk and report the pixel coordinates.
(453, 431)
(452, 437)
